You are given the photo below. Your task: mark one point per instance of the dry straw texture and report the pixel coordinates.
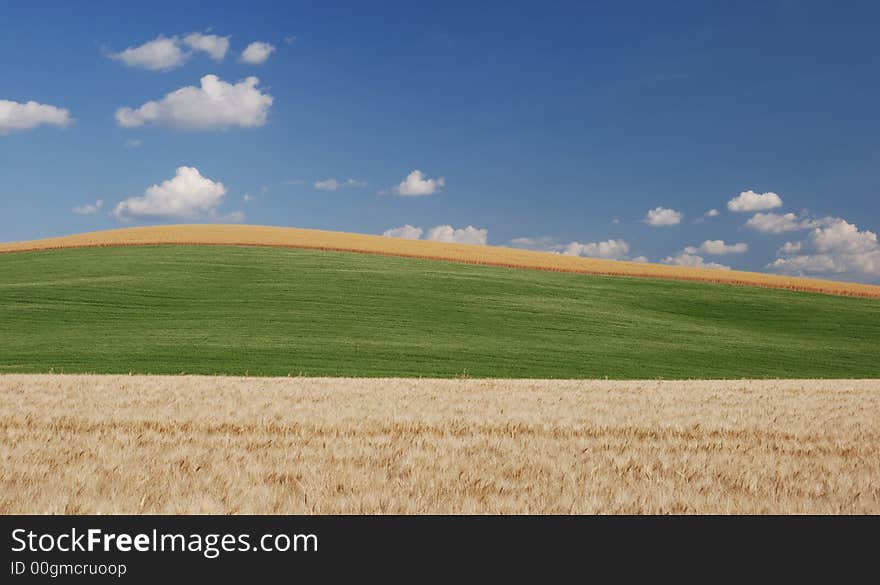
(129, 444)
(487, 255)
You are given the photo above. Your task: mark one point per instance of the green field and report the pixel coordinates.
(278, 312)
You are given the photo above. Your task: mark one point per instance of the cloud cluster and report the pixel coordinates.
(216, 104)
(165, 53)
(17, 116)
(717, 248)
(334, 185)
(188, 195)
(662, 216)
(407, 232)
(777, 223)
(542, 244)
(749, 201)
(613, 249)
(441, 233)
(416, 184)
(693, 261)
(214, 45)
(256, 53)
(837, 247)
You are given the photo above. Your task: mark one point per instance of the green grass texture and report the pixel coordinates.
(277, 312)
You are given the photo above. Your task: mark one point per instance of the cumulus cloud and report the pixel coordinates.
(416, 184)
(334, 185)
(442, 233)
(837, 247)
(465, 235)
(610, 249)
(790, 248)
(777, 223)
(692, 260)
(613, 249)
(406, 232)
(257, 53)
(89, 208)
(29, 115)
(661, 216)
(717, 248)
(750, 201)
(160, 54)
(166, 53)
(188, 195)
(542, 244)
(214, 105)
(712, 213)
(214, 45)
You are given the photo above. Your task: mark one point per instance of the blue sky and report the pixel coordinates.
(554, 125)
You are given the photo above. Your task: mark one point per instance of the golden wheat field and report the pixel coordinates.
(133, 444)
(487, 255)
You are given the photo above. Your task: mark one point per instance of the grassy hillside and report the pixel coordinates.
(270, 311)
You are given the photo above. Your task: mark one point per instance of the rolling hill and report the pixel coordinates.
(281, 303)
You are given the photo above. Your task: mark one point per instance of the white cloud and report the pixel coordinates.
(247, 197)
(416, 184)
(837, 247)
(289, 40)
(334, 185)
(615, 221)
(661, 216)
(187, 195)
(694, 261)
(777, 223)
(774, 223)
(328, 185)
(790, 248)
(543, 244)
(160, 54)
(610, 249)
(751, 201)
(165, 53)
(214, 45)
(134, 143)
(17, 116)
(441, 233)
(717, 248)
(89, 208)
(712, 213)
(257, 53)
(466, 235)
(214, 105)
(406, 232)
(614, 249)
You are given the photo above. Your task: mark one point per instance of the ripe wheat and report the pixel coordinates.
(137, 444)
